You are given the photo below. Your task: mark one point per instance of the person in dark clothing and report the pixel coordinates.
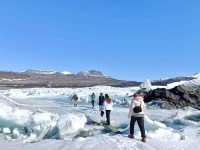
(93, 99)
(136, 113)
(75, 100)
(101, 104)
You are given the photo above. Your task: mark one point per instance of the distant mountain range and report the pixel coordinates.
(46, 78)
(51, 72)
(38, 78)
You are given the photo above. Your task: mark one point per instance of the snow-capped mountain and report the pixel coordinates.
(66, 73)
(49, 78)
(38, 78)
(51, 72)
(45, 72)
(91, 73)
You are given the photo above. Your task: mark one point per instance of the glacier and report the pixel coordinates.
(42, 118)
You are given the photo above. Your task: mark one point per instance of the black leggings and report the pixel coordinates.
(102, 113)
(93, 103)
(108, 116)
(140, 121)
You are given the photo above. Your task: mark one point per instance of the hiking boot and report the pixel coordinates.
(144, 140)
(130, 136)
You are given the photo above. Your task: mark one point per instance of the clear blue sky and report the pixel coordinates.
(132, 39)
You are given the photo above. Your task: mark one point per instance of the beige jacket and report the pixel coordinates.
(136, 102)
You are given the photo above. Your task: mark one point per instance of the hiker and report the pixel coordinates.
(75, 100)
(108, 107)
(93, 100)
(101, 104)
(136, 113)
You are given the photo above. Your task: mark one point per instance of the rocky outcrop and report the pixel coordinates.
(180, 96)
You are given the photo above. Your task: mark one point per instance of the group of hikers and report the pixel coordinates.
(105, 104)
(136, 110)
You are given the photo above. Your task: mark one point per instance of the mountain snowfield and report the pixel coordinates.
(44, 118)
(51, 72)
(66, 73)
(195, 81)
(197, 75)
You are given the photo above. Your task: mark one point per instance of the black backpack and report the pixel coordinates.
(137, 109)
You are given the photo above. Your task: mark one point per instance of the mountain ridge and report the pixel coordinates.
(54, 79)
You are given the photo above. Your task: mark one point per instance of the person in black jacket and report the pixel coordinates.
(101, 104)
(75, 100)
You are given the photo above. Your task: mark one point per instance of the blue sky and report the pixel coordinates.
(132, 39)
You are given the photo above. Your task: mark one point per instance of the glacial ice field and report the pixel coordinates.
(44, 118)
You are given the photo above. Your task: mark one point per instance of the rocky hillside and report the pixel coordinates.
(34, 78)
(48, 78)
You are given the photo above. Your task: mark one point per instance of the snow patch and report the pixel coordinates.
(66, 73)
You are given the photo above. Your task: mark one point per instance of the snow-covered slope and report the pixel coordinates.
(197, 75)
(195, 81)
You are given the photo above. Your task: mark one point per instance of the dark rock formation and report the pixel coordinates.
(180, 96)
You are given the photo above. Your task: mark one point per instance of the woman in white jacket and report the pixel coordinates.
(109, 107)
(136, 113)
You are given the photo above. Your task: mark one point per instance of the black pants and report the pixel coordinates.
(140, 121)
(102, 113)
(108, 117)
(92, 103)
